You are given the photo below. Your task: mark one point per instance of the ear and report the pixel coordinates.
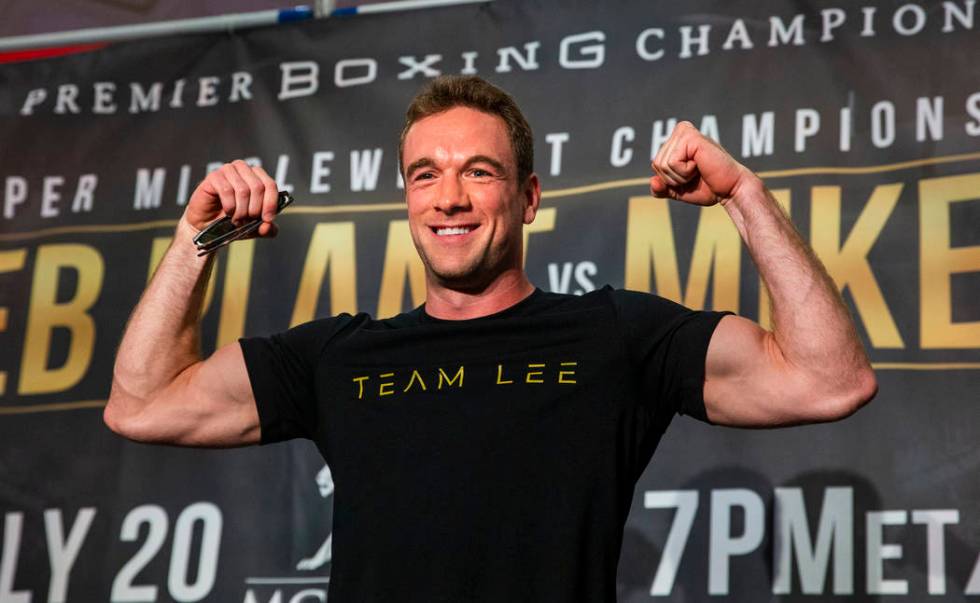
(531, 195)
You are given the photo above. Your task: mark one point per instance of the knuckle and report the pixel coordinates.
(214, 181)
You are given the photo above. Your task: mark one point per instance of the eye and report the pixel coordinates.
(423, 176)
(480, 173)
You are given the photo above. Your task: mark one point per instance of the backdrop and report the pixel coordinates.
(863, 120)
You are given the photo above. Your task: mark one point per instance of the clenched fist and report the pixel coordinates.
(238, 190)
(691, 167)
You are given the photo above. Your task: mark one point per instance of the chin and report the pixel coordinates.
(463, 280)
(461, 277)
(470, 273)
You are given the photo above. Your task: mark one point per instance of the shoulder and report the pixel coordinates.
(308, 338)
(631, 305)
(331, 325)
(603, 297)
(404, 320)
(648, 317)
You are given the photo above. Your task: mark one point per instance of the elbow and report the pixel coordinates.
(109, 418)
(866, 388)
(114, 413)
(125, 425)
(112, 416)
(853, 395)
(118, 414)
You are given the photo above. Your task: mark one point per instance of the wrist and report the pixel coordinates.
(183, 241)
(185, 230)
(749, 190)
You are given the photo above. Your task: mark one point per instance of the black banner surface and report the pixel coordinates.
(863, 120)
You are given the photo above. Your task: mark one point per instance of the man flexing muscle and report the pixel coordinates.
(509, 423)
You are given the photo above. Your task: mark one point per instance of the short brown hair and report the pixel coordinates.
(448, 91)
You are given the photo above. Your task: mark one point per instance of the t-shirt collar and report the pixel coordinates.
(514, 310)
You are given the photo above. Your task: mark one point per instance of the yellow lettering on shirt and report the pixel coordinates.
(567, 376)
(415, 377)
(385, 388)
(534, 376)
(360, 383)
(444, 377)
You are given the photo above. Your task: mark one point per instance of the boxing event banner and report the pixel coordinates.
(862, 118)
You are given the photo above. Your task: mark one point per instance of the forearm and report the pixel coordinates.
(811, 367)
(162, 338)
(812, 329)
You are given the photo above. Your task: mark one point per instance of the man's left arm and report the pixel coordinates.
(811, 367)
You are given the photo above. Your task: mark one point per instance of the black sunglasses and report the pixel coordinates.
(222, 231)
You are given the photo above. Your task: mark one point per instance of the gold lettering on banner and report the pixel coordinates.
(400, 258)
(847, 263)
(234, 297)
(332, 244)
(783, 198)
(544, 221)
(444, 376)
(717, 253)
(45, 314)
(10, 261)
(500, 376)
(938, 261)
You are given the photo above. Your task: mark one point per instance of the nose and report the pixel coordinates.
(452, 195)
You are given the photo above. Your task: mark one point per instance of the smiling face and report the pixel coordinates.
(466, 208)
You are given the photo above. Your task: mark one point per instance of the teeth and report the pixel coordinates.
(456, 230)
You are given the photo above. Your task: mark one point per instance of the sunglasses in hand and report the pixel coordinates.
(222, 231)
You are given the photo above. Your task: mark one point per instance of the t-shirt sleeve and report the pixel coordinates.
(667, 344)
(282, 372)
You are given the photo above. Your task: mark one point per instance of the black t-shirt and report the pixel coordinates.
(491, 459)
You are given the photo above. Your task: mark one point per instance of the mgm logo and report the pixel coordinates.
(308, 588)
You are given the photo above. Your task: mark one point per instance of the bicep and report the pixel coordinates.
(209, 404)
(748, 382)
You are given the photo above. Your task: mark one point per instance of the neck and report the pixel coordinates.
(442, 301)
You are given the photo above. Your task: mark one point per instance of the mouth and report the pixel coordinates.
(454, 231)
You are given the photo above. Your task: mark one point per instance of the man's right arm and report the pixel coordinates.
(162, 391)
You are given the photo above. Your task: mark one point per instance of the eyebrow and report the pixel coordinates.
(418, 164)
(428, 162)
(487, 160)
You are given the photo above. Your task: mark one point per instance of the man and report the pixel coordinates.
(485, 446)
